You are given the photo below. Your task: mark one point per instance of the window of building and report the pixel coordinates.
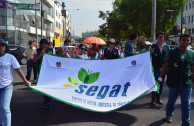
(192, 30)
(59, 25)
(192, 19)
(190, 5)
(56, 24)
(56, 12)
(189, 31)
(185, 20)
(193, 4)
(186, 7)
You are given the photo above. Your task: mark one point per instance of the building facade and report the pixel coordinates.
(57, 24)
(19, 26)
(66, 23)
(188, 18)
(89, 34)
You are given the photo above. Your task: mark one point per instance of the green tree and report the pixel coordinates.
(135, 16)
(114, 26)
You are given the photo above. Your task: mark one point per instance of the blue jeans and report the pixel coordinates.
(185, 94)
(5, 99)
(156, 95)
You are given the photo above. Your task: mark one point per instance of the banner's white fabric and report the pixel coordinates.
(98, 85)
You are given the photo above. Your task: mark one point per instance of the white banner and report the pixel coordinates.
(96, 85)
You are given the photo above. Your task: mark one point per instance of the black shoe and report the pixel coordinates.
(158, 101)
(168, 119)
(153, 102)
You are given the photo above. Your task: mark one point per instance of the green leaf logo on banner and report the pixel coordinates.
(87, 78)
(82, 75)
(73, 80)
(91, 78)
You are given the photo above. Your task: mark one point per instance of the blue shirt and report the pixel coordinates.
(129, 49)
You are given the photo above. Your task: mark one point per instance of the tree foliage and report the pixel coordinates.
(100, 36)
(135, 16)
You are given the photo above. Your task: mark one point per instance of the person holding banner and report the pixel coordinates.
(159, 51)
(7, 63)
(38, 54)
(82, 54)
(179, 65)
(111, 52)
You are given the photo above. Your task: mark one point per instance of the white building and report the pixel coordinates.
(57, 24)
(188, 17)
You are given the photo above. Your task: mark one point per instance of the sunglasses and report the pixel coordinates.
(83, 49)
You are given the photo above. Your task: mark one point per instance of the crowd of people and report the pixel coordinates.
(177, 64)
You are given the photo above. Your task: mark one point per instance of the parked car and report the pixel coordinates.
(18, 52)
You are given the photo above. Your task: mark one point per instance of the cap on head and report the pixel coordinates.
(2, 41)
(112, 40)
(148, 43)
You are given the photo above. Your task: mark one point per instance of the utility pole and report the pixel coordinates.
(181, 21)
(36, 27)
(42, 13)
(153, 32)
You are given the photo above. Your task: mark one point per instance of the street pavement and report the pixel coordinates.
(26, 111)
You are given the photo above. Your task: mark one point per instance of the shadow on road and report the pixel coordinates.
(141, 106)
(158, 123)
(33, 115)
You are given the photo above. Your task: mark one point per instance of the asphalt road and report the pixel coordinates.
(26, 111)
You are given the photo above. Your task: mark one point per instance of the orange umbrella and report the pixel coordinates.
(95, 40)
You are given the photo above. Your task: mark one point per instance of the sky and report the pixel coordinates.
(86, 18)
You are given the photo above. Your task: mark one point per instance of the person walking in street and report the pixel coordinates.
(38, 55)
(7, 63)
(129, 48)
(111, 52)
(179, 65)
(29, 52)
(159, 51)
(147, 47)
